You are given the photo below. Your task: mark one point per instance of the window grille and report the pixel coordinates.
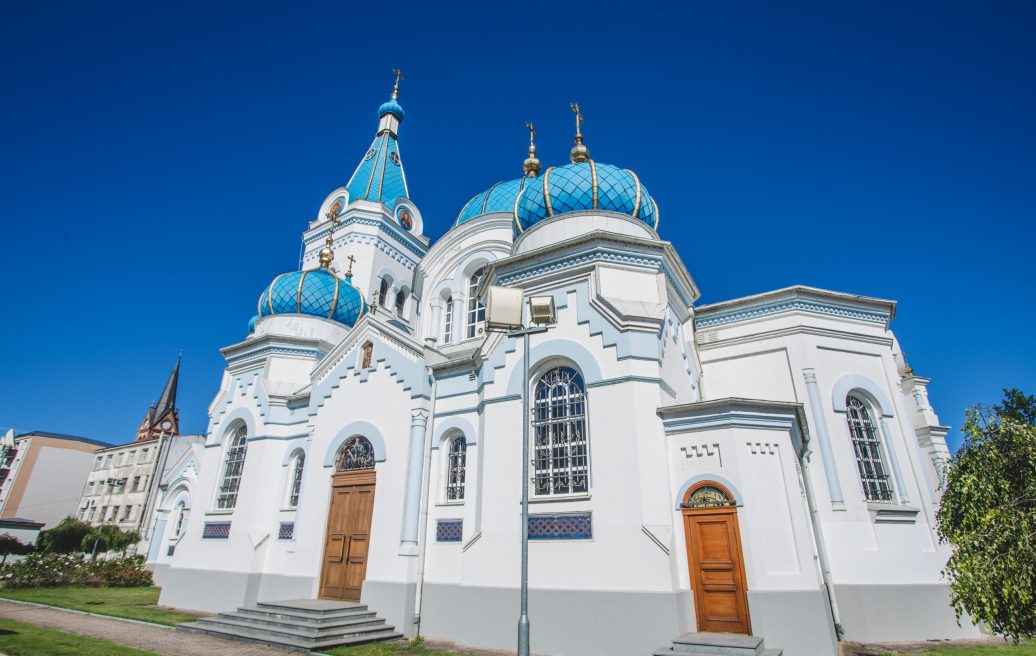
(447, 326)
(457, 467)
(476, 311)
(356, 454)
(867, 448)
(561, 463)
(232, 470)
(296, 480)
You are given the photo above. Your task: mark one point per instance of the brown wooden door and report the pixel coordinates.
(717, 570)
(348, 535)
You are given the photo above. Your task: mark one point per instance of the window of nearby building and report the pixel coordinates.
(457, 466)
(355, 454)
(97, 463)
(108, 460)
(89, 488)
(367, 355)
(131, 456)
(867, 447)
(136, 483)
(383, 292)
(295, 484)
(143, 457)
(93, 512)
(234, 465)
(178, 518)
(447, 325)
(126, 512)
(561, 463)
(476, 311)
(118, 459)
(114, 514)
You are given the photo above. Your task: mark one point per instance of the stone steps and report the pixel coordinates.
(302, 625)
(717, 644)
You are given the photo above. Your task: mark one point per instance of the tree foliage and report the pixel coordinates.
(988, 514)
(108, 537)
(66, 537)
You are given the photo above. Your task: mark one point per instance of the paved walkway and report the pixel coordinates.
(135, 634)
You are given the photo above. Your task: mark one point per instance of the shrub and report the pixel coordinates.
(47, 570)
(66, 537)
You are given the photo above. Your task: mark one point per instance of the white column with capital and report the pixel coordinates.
(834, 487)
(415, 470)
(435, 328)
(890, 449)
(460, 316)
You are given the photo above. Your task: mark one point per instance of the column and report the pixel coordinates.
(460, 316)
(436, 328)
(820, 428)
(890, 449)
(415, 469)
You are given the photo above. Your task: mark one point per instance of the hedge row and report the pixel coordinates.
(47, 570)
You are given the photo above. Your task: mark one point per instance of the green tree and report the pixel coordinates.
(108, 537)
(11, 545)
(66, 537)
(988, 513)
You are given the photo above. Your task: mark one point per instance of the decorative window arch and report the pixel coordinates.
(447, 324)
(383, 292)
(295, 470)
(708, 494)
(233, 467)
(400, 302)
(366, 355)
(179, 517)
(561, 458)
(476, 314)
(867, 449)
(356, 454)
(456, 468)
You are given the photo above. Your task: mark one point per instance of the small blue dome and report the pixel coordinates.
(251, 323)
(498, 198)
(316, 292)
(391, 107)
(584, 186)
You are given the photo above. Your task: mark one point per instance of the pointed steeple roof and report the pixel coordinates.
(380, 178)
(167, 402)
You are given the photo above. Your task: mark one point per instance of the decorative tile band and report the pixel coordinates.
(286, 531)
(561, 526)
(449, 530)
(170, 550)
(216, 531)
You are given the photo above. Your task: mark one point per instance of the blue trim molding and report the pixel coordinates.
(738, 499)
(792, 305)
(561, 526)
(449, 530)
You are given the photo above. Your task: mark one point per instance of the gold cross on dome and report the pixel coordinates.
(579, 116)
(532, 132)
(399, 78)
(352, 260)
(332, 217)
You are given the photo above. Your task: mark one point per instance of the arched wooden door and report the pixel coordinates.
(715, 559)
(347, 540)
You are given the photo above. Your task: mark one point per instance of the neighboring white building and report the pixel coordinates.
(767, 464)
(41, 475)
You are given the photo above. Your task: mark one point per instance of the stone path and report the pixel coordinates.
(135, 634)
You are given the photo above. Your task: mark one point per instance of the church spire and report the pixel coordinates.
(532, 163)
(163, 417)
(379, 178)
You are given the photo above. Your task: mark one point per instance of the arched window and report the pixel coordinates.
(383, 292)
(355, 454)
(561, 463)
(476, 311)
(295, 485)
(447, 324)
(233, 467)
(708, 496)
(400, 302)
(367, 355)
(179, 514)
(867, 448)
(457, 467)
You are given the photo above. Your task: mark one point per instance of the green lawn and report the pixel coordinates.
(130, 603)
(19, 639)
(390, 649)
(1023, 649)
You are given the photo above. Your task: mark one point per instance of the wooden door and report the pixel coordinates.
(717, 569)
(348, 535)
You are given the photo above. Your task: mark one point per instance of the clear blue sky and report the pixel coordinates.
(159, 164)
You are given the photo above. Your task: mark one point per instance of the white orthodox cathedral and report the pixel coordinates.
(766, 465)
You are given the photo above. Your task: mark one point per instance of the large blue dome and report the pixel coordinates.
(584, 186)
(498, 198)
(316, 292)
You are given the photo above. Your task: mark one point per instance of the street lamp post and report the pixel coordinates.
(504, 313)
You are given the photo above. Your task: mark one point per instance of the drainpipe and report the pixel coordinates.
(818, 538)
(422, 538)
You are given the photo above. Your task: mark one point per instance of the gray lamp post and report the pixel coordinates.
(504, 314)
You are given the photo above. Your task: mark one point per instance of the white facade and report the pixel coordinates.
(750, 395)
(119, 486)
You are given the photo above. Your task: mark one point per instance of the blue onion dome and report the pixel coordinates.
(584, 185)
(252, 322)
(498, 198)
(391, 107)
(316, 292)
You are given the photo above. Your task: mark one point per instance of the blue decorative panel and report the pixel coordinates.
(216, 531)
(170, 550)
(286, 531)
(449, 530)
(561, 526)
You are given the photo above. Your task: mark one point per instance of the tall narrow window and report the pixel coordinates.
(400, 302)
(447, 324)
(232, 469)
(383, 291)
(476, 311)
(296, 480)
(561, 463)
(178, 517)
(457, 466)
(356, 454)
(867, 448)
(366, 355)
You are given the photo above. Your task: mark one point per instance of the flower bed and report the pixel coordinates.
(46, 570)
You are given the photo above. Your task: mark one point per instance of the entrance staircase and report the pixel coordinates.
(302, 624)
(717, 644)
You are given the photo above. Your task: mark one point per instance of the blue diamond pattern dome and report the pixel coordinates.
(584, 186)
(498, 198)
(316, 292)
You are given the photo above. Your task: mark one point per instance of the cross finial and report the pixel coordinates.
(579, 118)
(352, 261)
(399, 78)
(532, 133)
(327, 254)
(579, 151)
(532, 164)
